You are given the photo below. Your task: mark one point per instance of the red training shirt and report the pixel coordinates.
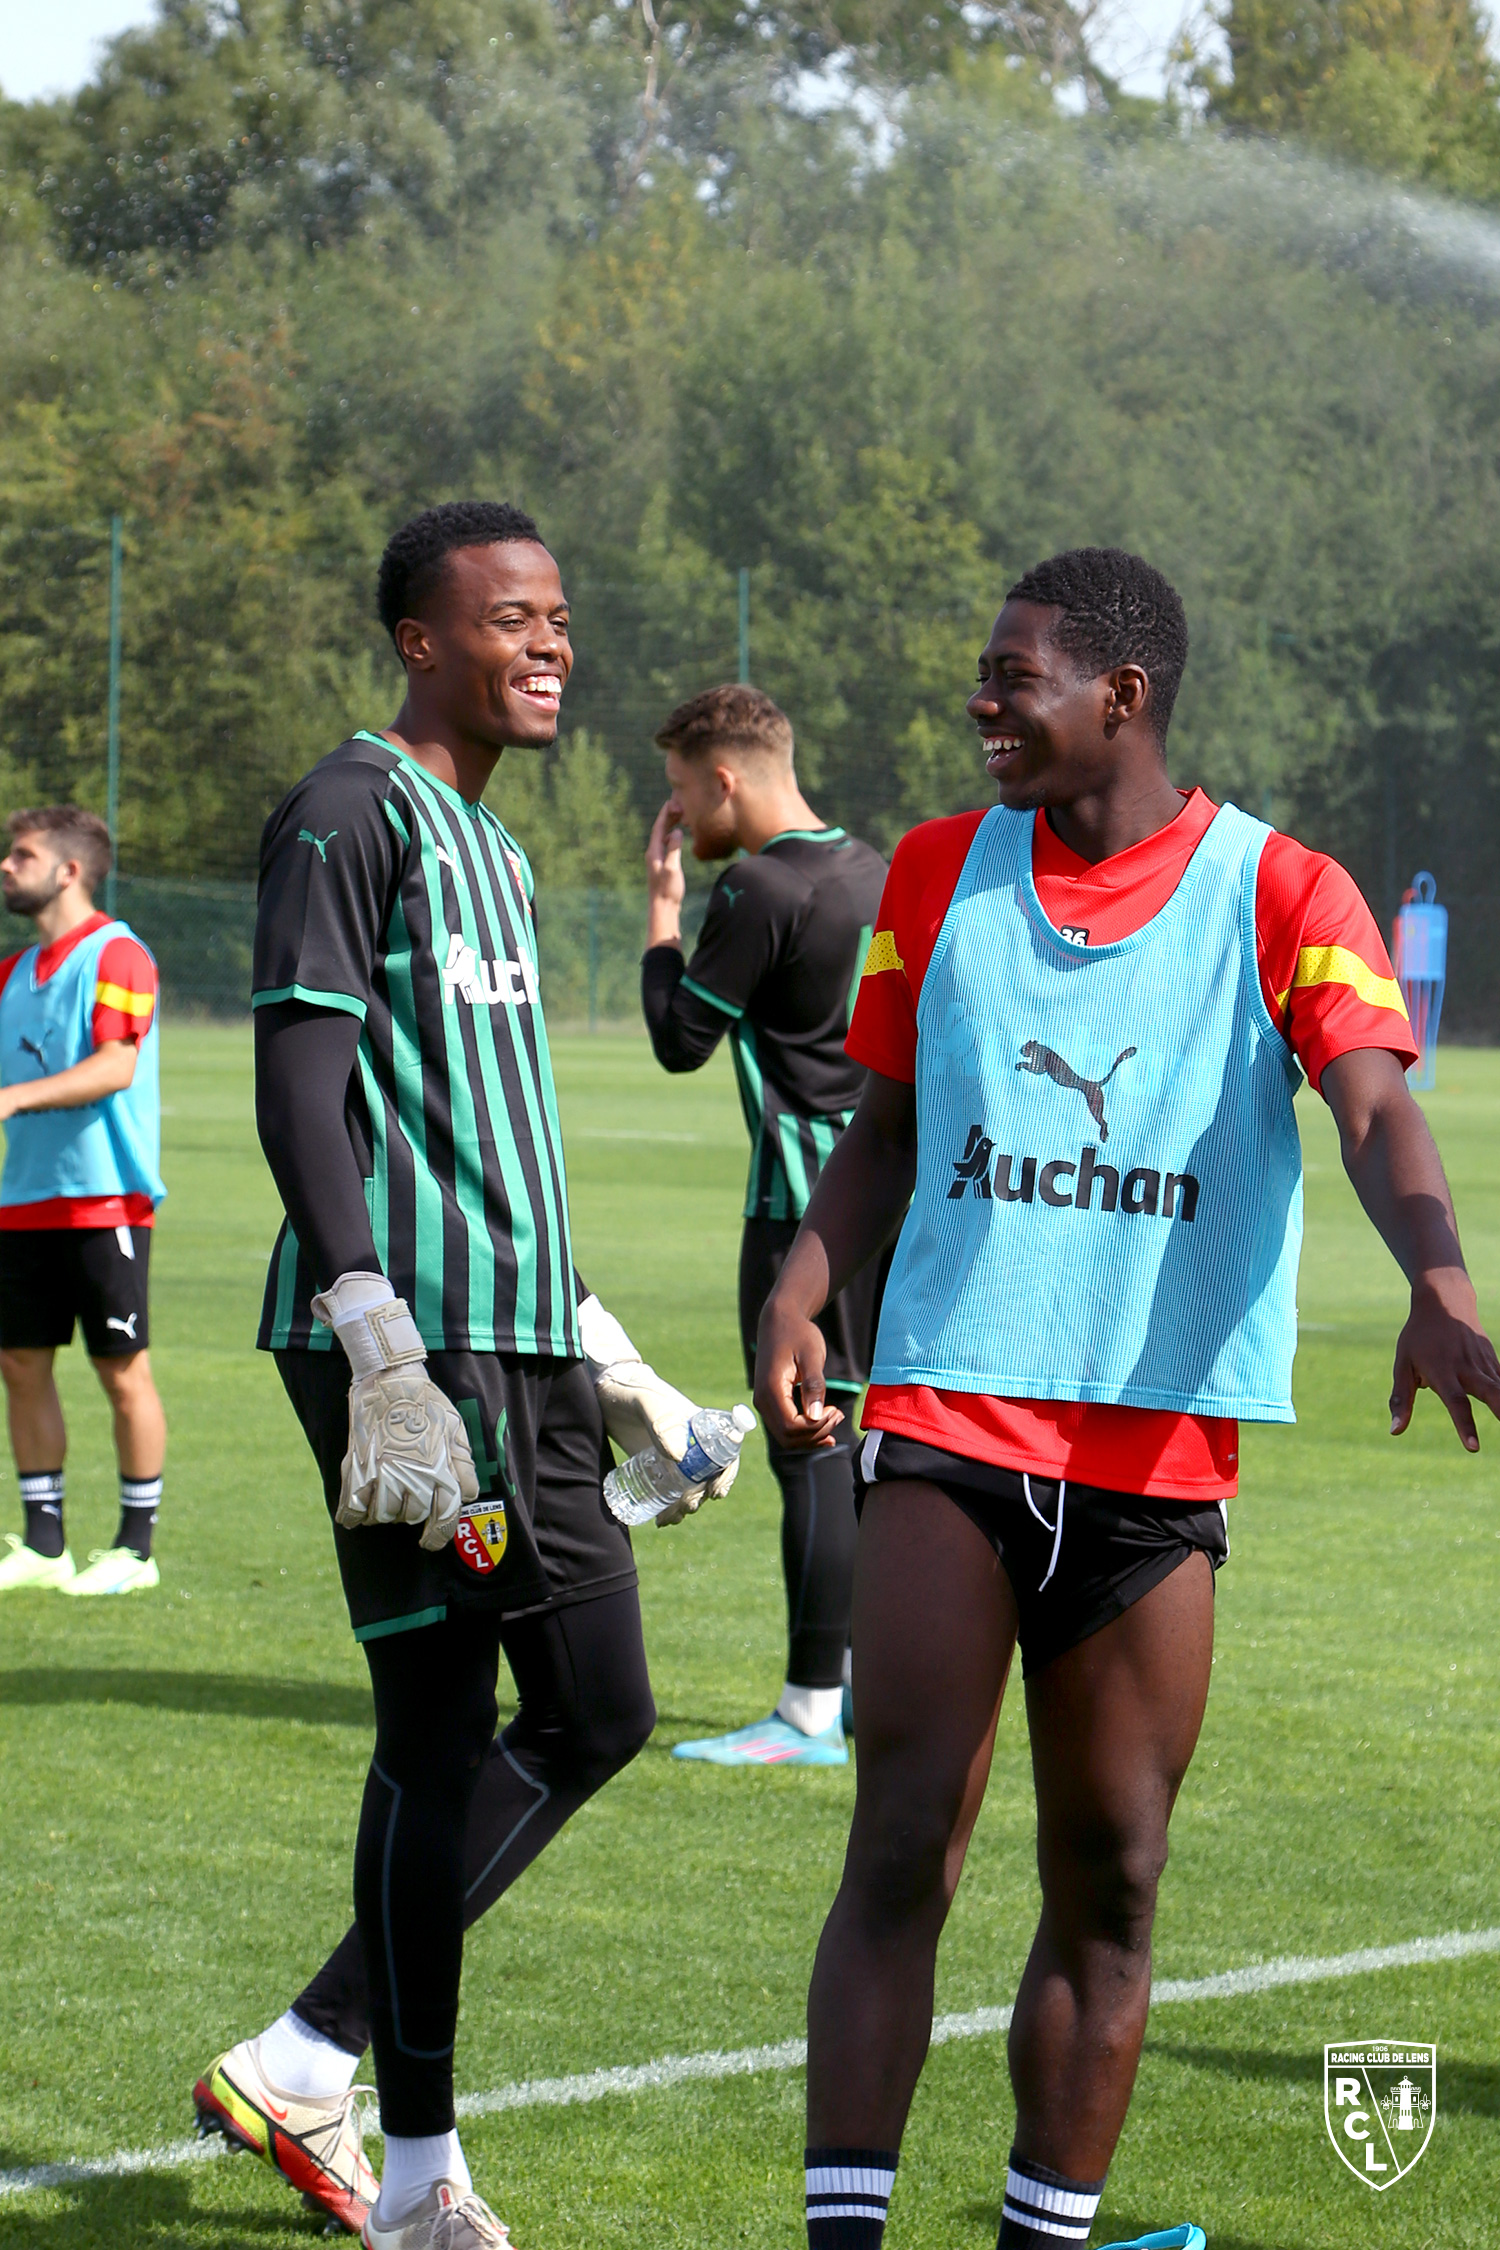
(1328, 985)
(125, 997)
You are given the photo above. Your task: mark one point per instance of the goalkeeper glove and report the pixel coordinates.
(639, 1408)
(408, 1459)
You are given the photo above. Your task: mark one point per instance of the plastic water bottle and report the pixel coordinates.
(641, 1487)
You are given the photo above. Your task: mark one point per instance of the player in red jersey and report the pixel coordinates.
(78, 1078)
(1086, 1526)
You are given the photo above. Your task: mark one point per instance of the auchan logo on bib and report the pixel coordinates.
(486, 984)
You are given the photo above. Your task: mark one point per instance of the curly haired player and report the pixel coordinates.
(1068, 1343)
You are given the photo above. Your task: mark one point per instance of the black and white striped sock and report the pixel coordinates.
(1046, 2210)
(42, 1498)
(140, 1497)
(848, 2191)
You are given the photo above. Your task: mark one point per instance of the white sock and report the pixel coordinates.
(412, 2168)
(811, 1709)
(299, 2060)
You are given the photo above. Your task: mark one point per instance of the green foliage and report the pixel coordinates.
(570, 810)
(1404, 86)
(284, 273)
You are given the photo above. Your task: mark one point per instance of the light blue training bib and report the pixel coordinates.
(110, 1148)
(1109, 1179)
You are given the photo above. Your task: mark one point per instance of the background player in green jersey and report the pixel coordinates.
(432, 1337)
(781, 948)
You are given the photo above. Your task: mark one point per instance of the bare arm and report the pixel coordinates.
(857, 1205)
(1392, 1160)
(108, 1070)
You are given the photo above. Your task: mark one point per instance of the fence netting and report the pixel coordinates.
(202, 935)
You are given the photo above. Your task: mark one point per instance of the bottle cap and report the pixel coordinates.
(743, 1420)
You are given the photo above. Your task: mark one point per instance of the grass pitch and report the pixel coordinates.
(181, 1775)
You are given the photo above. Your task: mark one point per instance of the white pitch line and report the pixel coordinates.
(791, 2054)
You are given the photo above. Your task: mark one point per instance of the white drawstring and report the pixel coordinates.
(1055, 1529)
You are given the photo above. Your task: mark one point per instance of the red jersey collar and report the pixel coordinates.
(1172, 846)
(51, 957)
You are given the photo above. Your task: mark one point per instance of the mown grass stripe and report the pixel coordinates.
(791, 2054)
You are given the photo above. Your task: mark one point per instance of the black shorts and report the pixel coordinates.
(1076, 1556)
(541, 1535)
(51, 1277)
(848, 1322)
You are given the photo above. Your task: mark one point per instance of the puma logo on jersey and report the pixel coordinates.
(34, 1047)
(126, 1326)
(320, 844)
(1044, 1063)
(486, 984)
(446, 859)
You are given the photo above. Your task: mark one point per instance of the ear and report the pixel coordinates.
(730, 782)
(414, 645)
(1129, 689)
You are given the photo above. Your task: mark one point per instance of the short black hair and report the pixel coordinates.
(1116, 609)
(413, 560)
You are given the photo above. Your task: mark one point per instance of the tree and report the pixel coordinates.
(1401, 86)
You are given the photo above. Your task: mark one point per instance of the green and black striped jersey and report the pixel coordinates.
(384, 894)
(776, 965)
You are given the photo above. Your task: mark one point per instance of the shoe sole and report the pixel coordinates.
(286, 2156)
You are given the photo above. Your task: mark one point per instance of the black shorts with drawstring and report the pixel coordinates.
(1077, 1557)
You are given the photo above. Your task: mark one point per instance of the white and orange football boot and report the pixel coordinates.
(316, 2146)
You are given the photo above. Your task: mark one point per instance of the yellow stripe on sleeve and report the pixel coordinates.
(1335, 964)
(882, 954)
(128, 1003)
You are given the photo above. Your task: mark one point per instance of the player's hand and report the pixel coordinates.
(789, 1358)
(640, 1409)
(665, 880)
(1442, 1348)
(408, 1459)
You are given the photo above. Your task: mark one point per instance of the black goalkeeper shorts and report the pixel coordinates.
(1076, 1556)
(540, 1536)
(848, 1321)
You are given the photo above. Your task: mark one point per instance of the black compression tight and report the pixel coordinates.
(453, 1813)
(817, 1555)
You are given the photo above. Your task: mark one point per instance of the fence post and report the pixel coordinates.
(116, 588)
(744, 626)
(593, 959)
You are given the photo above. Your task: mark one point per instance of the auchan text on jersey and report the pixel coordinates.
(486, 984)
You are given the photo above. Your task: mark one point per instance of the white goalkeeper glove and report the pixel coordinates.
(408, 1459)
(639, 1408)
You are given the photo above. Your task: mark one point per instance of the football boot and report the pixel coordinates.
(452, 2218)
(316, 2145)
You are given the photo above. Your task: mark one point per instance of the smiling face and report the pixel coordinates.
(1051, 733)
(491, 653)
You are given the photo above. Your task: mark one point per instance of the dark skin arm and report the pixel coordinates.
(858, 1203)
(1390, 1157)
(1392, 1160)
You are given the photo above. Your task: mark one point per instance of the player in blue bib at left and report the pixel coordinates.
(78, 1194)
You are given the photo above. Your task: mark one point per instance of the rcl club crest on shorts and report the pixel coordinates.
(481, 1535)
(1379, 2103)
